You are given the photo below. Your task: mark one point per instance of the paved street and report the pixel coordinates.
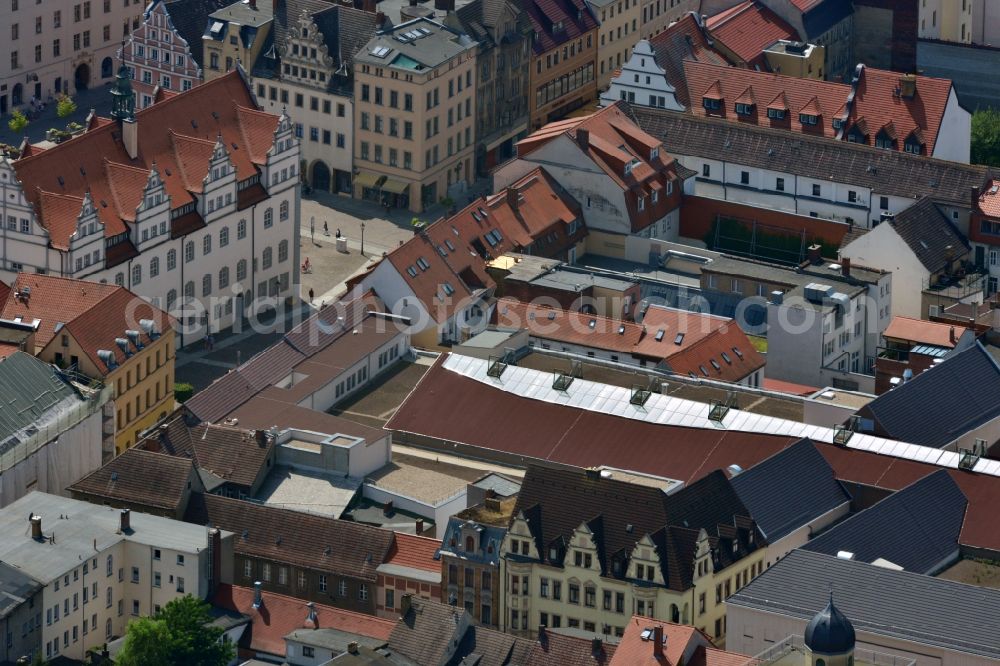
(98, 98)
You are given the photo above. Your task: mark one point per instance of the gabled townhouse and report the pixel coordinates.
(184, 203)
(411, 567)
(920, 245)
(563, 70)
(911, 346)
(984, 231)
(107, 334)
(415, 103)
(164, 53)
(236, 35)
(470, 558)
(503, 31)
(308, 72)
(947, 407)
(682, 342)
(651, 642)
(585, 550)
(101, 567)
(438, 279)
(806, 175)
(625, 182)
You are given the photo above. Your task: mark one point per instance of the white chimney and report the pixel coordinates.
(130, 137)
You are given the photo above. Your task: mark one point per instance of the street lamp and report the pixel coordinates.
(362, 239)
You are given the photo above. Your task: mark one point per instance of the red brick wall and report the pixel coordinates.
(699, 213)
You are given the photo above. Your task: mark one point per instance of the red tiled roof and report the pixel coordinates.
(710, 656)
(173, 134)
(498, 420)
(634, 650)
(568, 326)
(6, 349)
(682, 41)
(708, 341)
(875, 107)
(53, 300)
(279, 616)
(989, 200)
(450, 253)
(749, 28)
(416, 552)
(4, 291)
(575, 16)
(614, 140)
(922, 332)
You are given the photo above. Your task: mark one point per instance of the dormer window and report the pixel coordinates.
(913, 146)
(470, 544)
(654, 153)
(808, 119)
(856, 136)
(711, 104)
(884, 141)
(743, 109)
(642, 202)
(557, 26)
(838, 123)
(776, 114)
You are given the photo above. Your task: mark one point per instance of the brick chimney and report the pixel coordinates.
(658, 642)
(845, 266)
(583, 137)
(419, 526)
(36, 527)
(215, 543)
(908, 86)
(125, 524)
(596, 646)
(512, 198)
(352, 647)
(814, 253)
(379, 19)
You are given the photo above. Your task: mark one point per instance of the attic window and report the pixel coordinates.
(422, 263)
(621, 330)
(737, 352)
(679, 339)
(711, 104)
(592, 323)
(654, 153)
(411, 271)
(659, 335)
(715, 364)
(703, 370)
(725, 357)
(884, 141)
(450, 246)
(808, 119)
(448, 289)
(838, 123)
(913, 145)
(441, 251)
(776, 114)
(743, 109)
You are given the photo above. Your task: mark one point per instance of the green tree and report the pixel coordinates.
(65, 106)
(180, 635)
(18, 121)
(986, 137)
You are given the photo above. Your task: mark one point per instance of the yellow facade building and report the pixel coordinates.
(637, 548)
(617, 35)
(103, 334)
(236, 34)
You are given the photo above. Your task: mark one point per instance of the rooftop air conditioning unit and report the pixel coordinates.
(816, 292)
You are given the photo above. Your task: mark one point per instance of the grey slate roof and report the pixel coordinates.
(886, 172)
(938, 406)
(30, 391)
(189, 18)
(799, 471)
(15, 588)
(928, 232)
(916, 528)
(884, 602)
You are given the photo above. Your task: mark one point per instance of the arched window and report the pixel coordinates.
(241, 270)
(224, 237)
(107, 628)
(470, 544)
(136, 274)
(171, 260)
(154, 267)
(189, 252)
(241, 229)
(283, 211)
(223, 277)
(282, 251)
(189, 289)
(206, 284)
(821, 662)
(268, 217)
(675, 614)
(206, 244)
(268, 258)
(111, 565)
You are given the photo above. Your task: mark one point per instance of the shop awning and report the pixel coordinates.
(366, 179)
(394, 186)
